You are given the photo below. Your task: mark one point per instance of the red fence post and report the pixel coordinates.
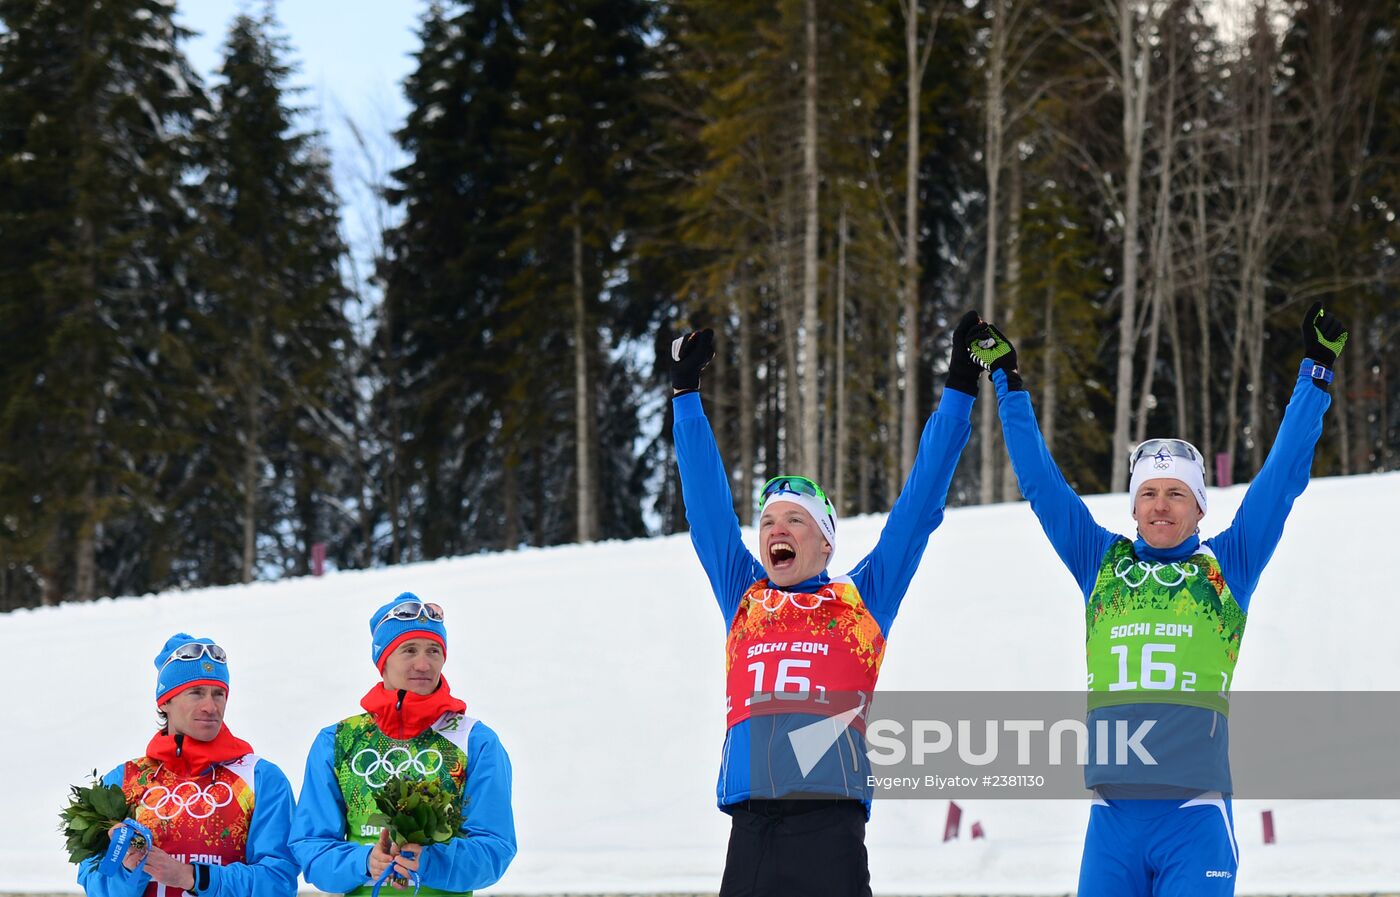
(318, 559)
(1224, 470)
(950, 828)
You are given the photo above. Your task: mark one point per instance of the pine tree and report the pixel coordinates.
(577, 117)
(275, 305)
(441, 344)
(96, 106)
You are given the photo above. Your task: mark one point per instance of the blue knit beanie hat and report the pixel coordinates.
(387, 632)
(174, 673)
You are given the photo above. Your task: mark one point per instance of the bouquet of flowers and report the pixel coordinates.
(417, 812)
(90, 815)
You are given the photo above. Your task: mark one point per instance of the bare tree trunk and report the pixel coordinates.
(810, 372)
(1009, 488)
(916, 64)
(1183, 418)
(85, 552)
(1135, 79)
(995, 122)
(251, 452)
(586, 522)
(743, 471)
(862, 504)
(1258, 220)
(394, 499)
(791, 404)
(1201, 295)
(1050, 375)
(1232, 398)
(893, 480)
(50, 564)
(510, 500)
(1161, 241)
(842, 453)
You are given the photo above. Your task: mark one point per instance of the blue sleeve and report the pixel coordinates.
(328, 860)
(882, 577)
(1245, 547)
(268, 868)
(124, 884)
(479, 857)
(1075, 534)
(709, 507)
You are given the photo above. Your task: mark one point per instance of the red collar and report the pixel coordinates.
(189, 757)
(403, 715)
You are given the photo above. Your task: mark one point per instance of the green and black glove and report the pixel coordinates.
(689, 356)
(1324, 338)
(993, 351)
(963, 372)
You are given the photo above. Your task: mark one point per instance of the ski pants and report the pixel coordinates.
(791, 847)
(1160, 848)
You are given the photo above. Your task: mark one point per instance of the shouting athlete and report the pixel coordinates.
(798, 636)
(1164, 616)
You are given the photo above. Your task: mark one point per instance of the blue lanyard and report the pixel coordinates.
(388, 871)
(111, 864)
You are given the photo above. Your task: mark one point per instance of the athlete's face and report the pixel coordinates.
(792, 546)
(415, 666)
(196, 712)
(1166, 512)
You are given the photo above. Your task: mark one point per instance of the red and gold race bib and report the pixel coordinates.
(196, 820)
(801, 652)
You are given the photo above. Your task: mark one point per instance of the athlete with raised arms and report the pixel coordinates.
(800, 639)
(1164, 616)
(413, 727)
(218, 813)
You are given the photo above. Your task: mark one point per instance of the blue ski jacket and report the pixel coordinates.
(1196, 737)
(475, 859)
(881, 577)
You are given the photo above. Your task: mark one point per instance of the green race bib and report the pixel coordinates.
(366, 758)
(1165, 633)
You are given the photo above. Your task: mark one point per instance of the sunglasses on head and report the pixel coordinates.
(1176, 448)
(414, 610)
(796, 486)
(194, 651)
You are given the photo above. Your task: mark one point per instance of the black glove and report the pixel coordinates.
(689, 356)
(963, 372)
(993, 351)
(1324, 336)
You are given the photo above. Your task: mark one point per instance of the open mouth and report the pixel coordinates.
(781, 554)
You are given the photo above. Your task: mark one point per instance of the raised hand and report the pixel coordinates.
(990, 348)
(963, 371)
(689, 356)
(1324, 335)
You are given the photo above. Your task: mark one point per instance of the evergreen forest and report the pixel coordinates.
(199, 385)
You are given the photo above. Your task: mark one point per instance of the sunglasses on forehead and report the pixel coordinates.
(194, 651)
(796, 486)
(414, 610)
(1176, 448)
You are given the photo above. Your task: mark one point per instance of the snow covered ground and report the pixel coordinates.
(602, 669)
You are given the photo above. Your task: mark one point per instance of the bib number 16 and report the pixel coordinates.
(787, 685)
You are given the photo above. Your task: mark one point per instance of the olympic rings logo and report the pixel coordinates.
(188, 798)
(1135, 573)
(378, 769)
(773, 599)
